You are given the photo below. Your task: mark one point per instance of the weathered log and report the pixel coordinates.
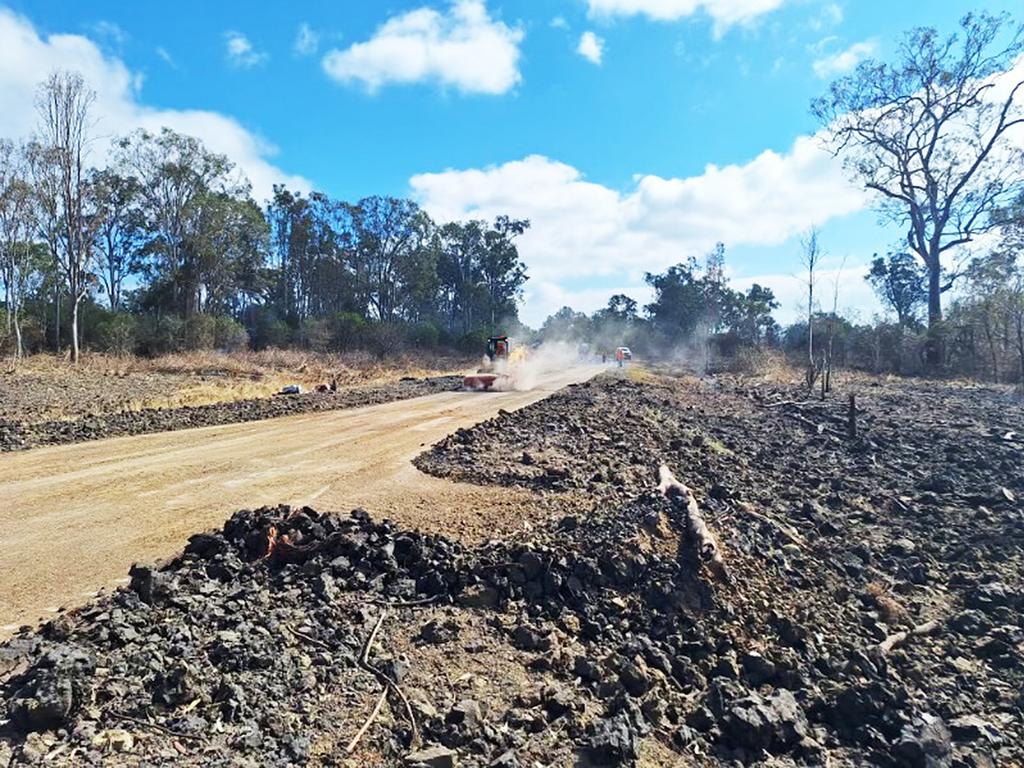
(704, 542)
(901, 637)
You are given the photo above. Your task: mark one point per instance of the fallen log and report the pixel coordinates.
(899, 638)
(705, 543)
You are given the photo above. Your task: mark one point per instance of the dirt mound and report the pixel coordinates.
(16, 435)
(859, 564)
(242, 645)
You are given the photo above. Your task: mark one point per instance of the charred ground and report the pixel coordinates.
(595, 637)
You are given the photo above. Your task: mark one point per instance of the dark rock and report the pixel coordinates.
(438, 632)
(467, 713)
(756, 668)
(925, 743)
(974, 728)
(970, 622)
(479, 596)
(635, 678)
(531, 564)
(432, 757)
(49, 694)
(506, 760)
(774, 724)
(176, 686)
(526, 638)
(612, 742)
(149, 583)
(988, 597)
(560, 702)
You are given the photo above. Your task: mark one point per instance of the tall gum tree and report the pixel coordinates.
(61, 175)
(935, 135)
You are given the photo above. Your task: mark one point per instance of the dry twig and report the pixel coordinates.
(369, 720)
(157, 727)
(388, 683)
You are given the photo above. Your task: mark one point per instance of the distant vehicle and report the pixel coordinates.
(625, 352)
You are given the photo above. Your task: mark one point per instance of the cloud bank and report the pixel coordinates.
(584, 229)
(26, 58)
(724, 13)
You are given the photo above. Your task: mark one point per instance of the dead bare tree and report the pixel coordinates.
(60, 157)
(811, 259)
(16, 233)
(830, 330)
(929, 134)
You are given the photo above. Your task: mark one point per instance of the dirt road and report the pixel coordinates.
(74, 518)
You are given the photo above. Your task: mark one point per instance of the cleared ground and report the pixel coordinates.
(73, 518)
(45, 387)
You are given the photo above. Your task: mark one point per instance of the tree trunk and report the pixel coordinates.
(18, 348)
(74, 329)
(935, 348)
(56, 303)
(993, 355)
(1019, 322)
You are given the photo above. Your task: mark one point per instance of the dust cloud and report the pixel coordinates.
(549, 358)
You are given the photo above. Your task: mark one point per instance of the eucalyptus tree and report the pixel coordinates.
(931, 135)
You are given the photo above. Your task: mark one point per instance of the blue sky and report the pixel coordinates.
(481, 107)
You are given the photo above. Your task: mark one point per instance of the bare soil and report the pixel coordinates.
(73, 518)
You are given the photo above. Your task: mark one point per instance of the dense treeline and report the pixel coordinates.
(694, 314)
(696, 319)
(164, 249)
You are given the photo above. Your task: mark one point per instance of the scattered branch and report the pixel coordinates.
(156, 727)
(368, 722)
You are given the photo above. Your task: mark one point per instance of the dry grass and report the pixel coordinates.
(50, 387)
(245, 375)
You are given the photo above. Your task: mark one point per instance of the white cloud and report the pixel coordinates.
(843, 61)
(725, 13)
(241, 52)
(830, 15)
(307, 40)
(109, 31)
(462, 47)
(26, 58)
(857, 301)
(166, 57)
(581, 229)
(559, 22)
(591, 47)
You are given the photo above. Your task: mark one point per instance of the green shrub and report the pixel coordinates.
(117, 334)
(384, 339)
(229, 335)
(424, 336)
(474, 342)
(160, 334)
(348, 331)
(267, 329)
(199, 332)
